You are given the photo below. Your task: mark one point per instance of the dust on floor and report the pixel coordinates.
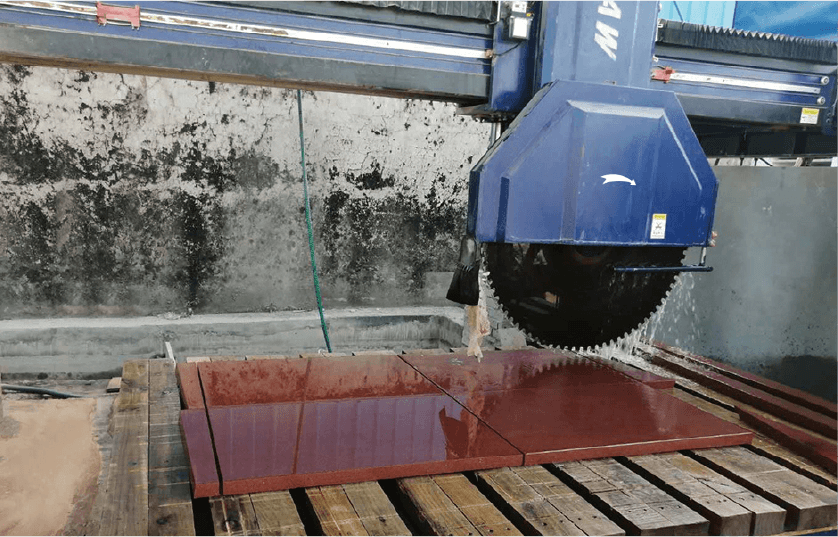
(49, 466)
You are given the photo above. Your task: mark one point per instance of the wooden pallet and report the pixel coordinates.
(757, 490)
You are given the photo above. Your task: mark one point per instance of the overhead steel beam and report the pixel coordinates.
(250, 46)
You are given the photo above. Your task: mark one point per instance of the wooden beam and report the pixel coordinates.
(475, 506)
(169, 491)
(584, 515)
(233, 515)
(374, 508)
(628, 498)
(731, 509)
(432, 509)
(334, 511)
(809, 504)
(740, 391)
(799, 397)
(523, 505)
(126, 511)
(277, 514)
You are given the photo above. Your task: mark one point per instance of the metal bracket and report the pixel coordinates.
(663, 74)
(105, 13)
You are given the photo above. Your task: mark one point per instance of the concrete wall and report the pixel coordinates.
(130, 195)
(770, 304)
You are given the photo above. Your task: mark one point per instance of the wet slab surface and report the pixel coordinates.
(556, 407)
(302, 422)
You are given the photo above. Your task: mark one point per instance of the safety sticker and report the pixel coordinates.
(658, 226)
(809, 116)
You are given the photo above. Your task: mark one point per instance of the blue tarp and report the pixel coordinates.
(817, 20)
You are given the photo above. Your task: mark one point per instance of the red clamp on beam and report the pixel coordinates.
(105, 13)
(662, 74)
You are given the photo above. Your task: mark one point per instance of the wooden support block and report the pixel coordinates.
(584, 515)
(822, 452)
(714, 496)
(475, 506)
(113, 385)
(196, 359)
(809, 504)
(169, 491)
(523, 505)
(334, 511)
(277, 514)
(226, 358)
(762, 443)
(373, 507)
(747, 394)
(126, 511)
(818, 404)
(233, 515)
(631, 500)
(433, 509)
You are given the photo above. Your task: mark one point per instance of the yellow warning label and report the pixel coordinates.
(809, 115)
(658, 227)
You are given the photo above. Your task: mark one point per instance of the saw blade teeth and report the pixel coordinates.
(533, 339)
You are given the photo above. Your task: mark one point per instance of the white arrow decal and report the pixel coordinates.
(613, 178)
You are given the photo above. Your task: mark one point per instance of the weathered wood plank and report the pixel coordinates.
(433, 509)
(276, 513)
(728, 506)
(374, 508)
(809, 504)
(113, 385)
(126, 510)
(169, 492)
(740, 391)
(761, 442)
(631, 500)
(794, 395)
(234, 515)
(334, 511)
(800, 441)
(584, 515)
(523, 505)
(475, 506)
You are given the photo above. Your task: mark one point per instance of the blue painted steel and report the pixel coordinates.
(715, 13)
(269, 44)
(544, 180)
(511, 70)
(601, 42)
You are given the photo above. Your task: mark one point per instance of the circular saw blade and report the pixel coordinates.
(571, 296)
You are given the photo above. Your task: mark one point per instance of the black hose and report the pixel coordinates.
(41, 391)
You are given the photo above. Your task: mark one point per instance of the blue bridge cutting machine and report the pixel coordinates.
(598, 178)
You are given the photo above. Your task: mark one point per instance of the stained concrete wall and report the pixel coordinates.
(770, 304)
(131, 195)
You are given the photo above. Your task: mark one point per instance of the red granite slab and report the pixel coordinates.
(199, 450)
(357, 419)
(563, 407)
(504, 370)
(817, 450)
(254, 382)
(649, 379)
(190, 385)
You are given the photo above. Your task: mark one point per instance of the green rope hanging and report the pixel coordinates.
(308, 223)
